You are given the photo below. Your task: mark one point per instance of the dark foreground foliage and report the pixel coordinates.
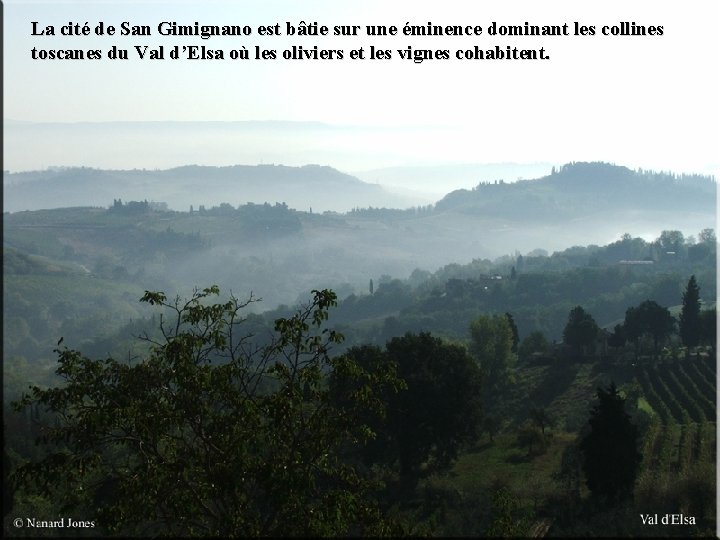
(210, 435)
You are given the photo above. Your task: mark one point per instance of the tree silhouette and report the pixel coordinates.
(529, 437)
(708, 323)
(611, 460)
(440, 410)
(514, 329)
(581, 329)
(707, 236)
(540, 418)
(535, 342)
(492, 341)
(670, 242)
(648, 318)
(209, 434)
(689, 322)
(618, 336)
(428, 417)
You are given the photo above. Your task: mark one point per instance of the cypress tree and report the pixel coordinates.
(611, 458)
(690, 314)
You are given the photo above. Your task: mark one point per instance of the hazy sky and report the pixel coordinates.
(646, 102)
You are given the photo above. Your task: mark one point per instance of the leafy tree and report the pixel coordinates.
(708, 324)
(611, 460)
(649, 318)
(428, 416)
(634, 327)
(492, 348)
(541, 419)
(528, 436)
(689, 322)
(534, 342)
(707, 236)
(581, 329)
(209, 434)
(618, 336)
(344, 387)
(439, 412)
(627, 248)
(666, 290)
(706, 247)
(491, 425)
(670, 242)
(514, 329)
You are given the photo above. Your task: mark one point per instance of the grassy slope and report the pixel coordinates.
(490, 464)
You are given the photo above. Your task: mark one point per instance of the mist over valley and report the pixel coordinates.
(360, 269)
(272, 234)
(540, 282)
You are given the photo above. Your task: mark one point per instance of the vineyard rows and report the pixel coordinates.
(679, 453)
(682, 391)
(676, 447)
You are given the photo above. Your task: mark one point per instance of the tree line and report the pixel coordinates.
(211, 433)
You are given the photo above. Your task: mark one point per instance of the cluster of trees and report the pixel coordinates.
(365, 425)
(129, 208)
(648, 319)
(208, 432)
(494, 343)
(695, 326)
(581, 329)
(208, 435)
(437, 413)
(391, 213)
(575, 188)
(128, 253)
(671, 248)
(539, 293)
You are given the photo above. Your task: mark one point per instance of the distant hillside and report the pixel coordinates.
(579, 204)
(433, 179)
(581, 190)
(311, 186)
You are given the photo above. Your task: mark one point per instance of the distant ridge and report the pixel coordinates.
(310, 186)
(581, 189)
